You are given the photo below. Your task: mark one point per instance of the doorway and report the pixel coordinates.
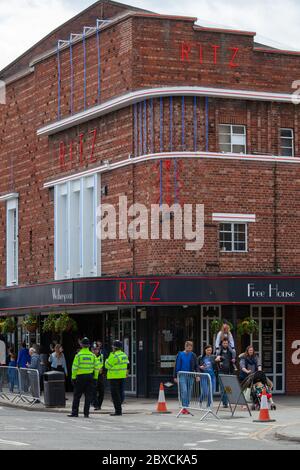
(270, 344)
(121, 326)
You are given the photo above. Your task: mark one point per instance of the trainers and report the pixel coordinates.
(72, 416)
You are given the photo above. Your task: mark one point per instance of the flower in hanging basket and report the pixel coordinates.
(9, 325)
(215, 326)
(247, 327)
(65, 324)
(30, 323)
(49, 323)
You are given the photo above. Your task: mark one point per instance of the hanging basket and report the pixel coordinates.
(247, 327)
(31, 323)
(9, 326)
(49, 323)
(65, 324)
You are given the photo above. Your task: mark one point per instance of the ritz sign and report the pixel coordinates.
(210, 54)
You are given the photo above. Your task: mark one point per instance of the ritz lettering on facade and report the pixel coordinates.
(80, 150)
(211, 53)
(139, 291)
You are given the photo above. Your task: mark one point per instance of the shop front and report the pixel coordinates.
(154, 317)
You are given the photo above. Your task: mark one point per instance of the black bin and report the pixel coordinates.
(54, 389)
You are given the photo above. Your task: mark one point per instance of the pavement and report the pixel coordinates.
(139, 421)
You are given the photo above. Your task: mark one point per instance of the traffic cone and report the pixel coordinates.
(264, 415)
(161, 405)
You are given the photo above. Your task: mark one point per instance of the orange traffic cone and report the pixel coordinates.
(161, 405)
(264, 415)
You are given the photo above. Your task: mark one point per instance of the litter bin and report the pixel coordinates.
(54, 389)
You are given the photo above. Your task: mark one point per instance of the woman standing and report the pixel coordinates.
(249, 363)
(58, 361)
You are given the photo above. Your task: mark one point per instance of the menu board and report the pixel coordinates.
(267, 346)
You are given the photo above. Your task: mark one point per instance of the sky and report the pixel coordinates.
(24, 22)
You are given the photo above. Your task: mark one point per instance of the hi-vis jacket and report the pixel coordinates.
(117, 365)
(100, 361)
(85, 363)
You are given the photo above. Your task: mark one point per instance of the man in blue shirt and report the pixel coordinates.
(186, 361)
(23, 357)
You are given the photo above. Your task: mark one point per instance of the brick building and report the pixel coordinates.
(124, 102)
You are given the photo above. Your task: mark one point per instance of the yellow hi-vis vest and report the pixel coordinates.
(85, 363)
(100, 361)
(116, 365)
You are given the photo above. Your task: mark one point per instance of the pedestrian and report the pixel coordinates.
(84, 371)
(102, 349)
(249, 363)
(24, 357)
(99, 384)
(34, 377)
(225, 333)
(58, 361)
(186, 361)
(224, 361)
(117, 370)
(12, 372)
(207, 365)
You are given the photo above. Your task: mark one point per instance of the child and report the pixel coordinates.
(225, 333)
(259, 387)
(207, 365)
(12, 372)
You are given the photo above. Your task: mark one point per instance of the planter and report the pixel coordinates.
(31, 328)
(49, 323)
(30, 324)
(9, 326)
(65, 324)
(247, 327)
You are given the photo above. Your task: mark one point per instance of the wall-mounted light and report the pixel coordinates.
(104, 190)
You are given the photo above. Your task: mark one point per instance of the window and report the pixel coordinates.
(233, 237)
(286, 142)
(76, 244)
(232, 138)
(12, 242)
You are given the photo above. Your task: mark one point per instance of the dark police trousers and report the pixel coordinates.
(116, 387)
(83, 384)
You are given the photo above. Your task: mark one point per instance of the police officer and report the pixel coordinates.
(99, 384)
(117, 365)
(85, 370)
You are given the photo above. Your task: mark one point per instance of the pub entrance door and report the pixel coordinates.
(270, 342)
(122, 326)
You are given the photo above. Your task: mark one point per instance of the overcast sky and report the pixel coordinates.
(24, 22)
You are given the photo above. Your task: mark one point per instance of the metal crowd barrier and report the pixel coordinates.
(195, 393)
(19, 385)
(9, 383)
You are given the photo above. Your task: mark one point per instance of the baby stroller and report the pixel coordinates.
(256, 382)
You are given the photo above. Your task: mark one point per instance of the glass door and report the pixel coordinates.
(127, 334)
(269, 342)
(208, 314)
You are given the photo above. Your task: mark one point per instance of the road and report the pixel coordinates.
(30, 430)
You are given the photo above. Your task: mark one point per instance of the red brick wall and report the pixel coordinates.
(145, 52)
(292, 335)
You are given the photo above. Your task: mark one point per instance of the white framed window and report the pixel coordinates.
(12, 244)
(286, 142)
(233, 237)
(76, 247)
(232, 138)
